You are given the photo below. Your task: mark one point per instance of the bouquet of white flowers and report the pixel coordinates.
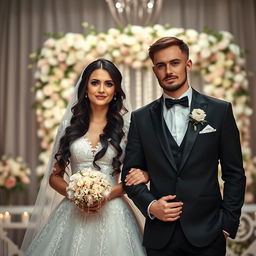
(87, 187)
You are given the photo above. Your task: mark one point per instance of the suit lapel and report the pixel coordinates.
(158, 124)
(197, 102)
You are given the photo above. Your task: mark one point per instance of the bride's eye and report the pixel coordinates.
(94, 82)
(109, 84)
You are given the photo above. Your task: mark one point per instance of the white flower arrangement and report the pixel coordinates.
(87, 187)
(197, 116)
(215, 56)
(14, 174)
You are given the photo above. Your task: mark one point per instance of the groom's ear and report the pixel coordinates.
(189, 65)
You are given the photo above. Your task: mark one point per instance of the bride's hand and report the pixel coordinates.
(93, 208)
(116, 191)
(136, 176)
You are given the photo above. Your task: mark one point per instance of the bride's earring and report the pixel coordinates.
(115, 97)
(86, 96)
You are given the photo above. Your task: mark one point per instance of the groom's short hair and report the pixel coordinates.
(165, 42)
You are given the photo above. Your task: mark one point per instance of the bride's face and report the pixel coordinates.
(101, 88)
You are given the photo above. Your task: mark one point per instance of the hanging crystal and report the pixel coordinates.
(135, 12)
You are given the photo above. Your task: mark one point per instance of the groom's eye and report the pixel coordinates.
(160, 66)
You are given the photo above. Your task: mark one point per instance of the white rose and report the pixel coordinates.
(71, 59)
(136, 48)
(174, 31)
(198, 115)
(48, 123)
(39, 95)
(75, 176)
(227, 35)
(72, 76)
(101, 47)
(248, 111)
(70, 39)
(128, 40)
(136, 29)
(49, 43)
(110, 41)
(235, 49)
(45, 69)
(48, 103)
(91, 40)
(114, 32)
(58, 74)
(223, 44)
(48, 90)
(44, 78)
(60, 103)
(217, 81)
(238, 78)
(226, 83)
(53, 61)
(62, 45)
(203, 42)
(47, 113)
(205, 53)
(65, 83)
(195, 48)
(116, 53)
(78, 39)
(47, 53)
(70, 194)
(192, 35)
(142, 56)
(66, 94)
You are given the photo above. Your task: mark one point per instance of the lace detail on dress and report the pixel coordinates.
(94, 149)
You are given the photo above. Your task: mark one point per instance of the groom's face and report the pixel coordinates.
(170, 67)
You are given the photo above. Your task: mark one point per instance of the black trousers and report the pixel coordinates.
(180, 246)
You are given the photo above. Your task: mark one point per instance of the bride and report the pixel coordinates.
(91, 135)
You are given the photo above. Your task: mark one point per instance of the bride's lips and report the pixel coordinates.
(100, 97)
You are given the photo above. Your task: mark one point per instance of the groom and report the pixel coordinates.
(179, 140)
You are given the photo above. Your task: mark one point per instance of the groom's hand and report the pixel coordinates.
(166, 211)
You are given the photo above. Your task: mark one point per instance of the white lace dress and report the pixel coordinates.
(113, 231)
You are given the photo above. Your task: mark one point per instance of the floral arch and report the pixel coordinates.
(215, 55)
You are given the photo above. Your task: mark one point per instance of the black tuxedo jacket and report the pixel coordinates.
(205, 213)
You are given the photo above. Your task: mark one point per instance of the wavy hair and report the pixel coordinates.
(79, 124)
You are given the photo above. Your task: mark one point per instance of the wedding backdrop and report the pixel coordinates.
(33, 100)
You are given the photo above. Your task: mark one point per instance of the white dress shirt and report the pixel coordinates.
(176, 119)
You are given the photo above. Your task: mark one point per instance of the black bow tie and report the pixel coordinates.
(170, 102)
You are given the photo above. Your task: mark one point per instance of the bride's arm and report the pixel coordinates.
(57, 182)
(135, 176)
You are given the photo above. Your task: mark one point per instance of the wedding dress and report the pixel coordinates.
(113, 231)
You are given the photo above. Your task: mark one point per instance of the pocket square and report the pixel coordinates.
(207, 129)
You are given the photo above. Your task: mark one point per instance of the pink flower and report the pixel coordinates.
(10, 182)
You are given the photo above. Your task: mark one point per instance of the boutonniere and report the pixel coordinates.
(197, 116)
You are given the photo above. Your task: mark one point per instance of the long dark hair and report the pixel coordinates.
(79, 124)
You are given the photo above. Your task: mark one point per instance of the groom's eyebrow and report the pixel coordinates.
(169, 61)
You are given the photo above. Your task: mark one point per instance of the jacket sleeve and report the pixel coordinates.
(134, 158)
(232, 173)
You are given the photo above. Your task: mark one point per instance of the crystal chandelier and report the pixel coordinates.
(135, 12)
